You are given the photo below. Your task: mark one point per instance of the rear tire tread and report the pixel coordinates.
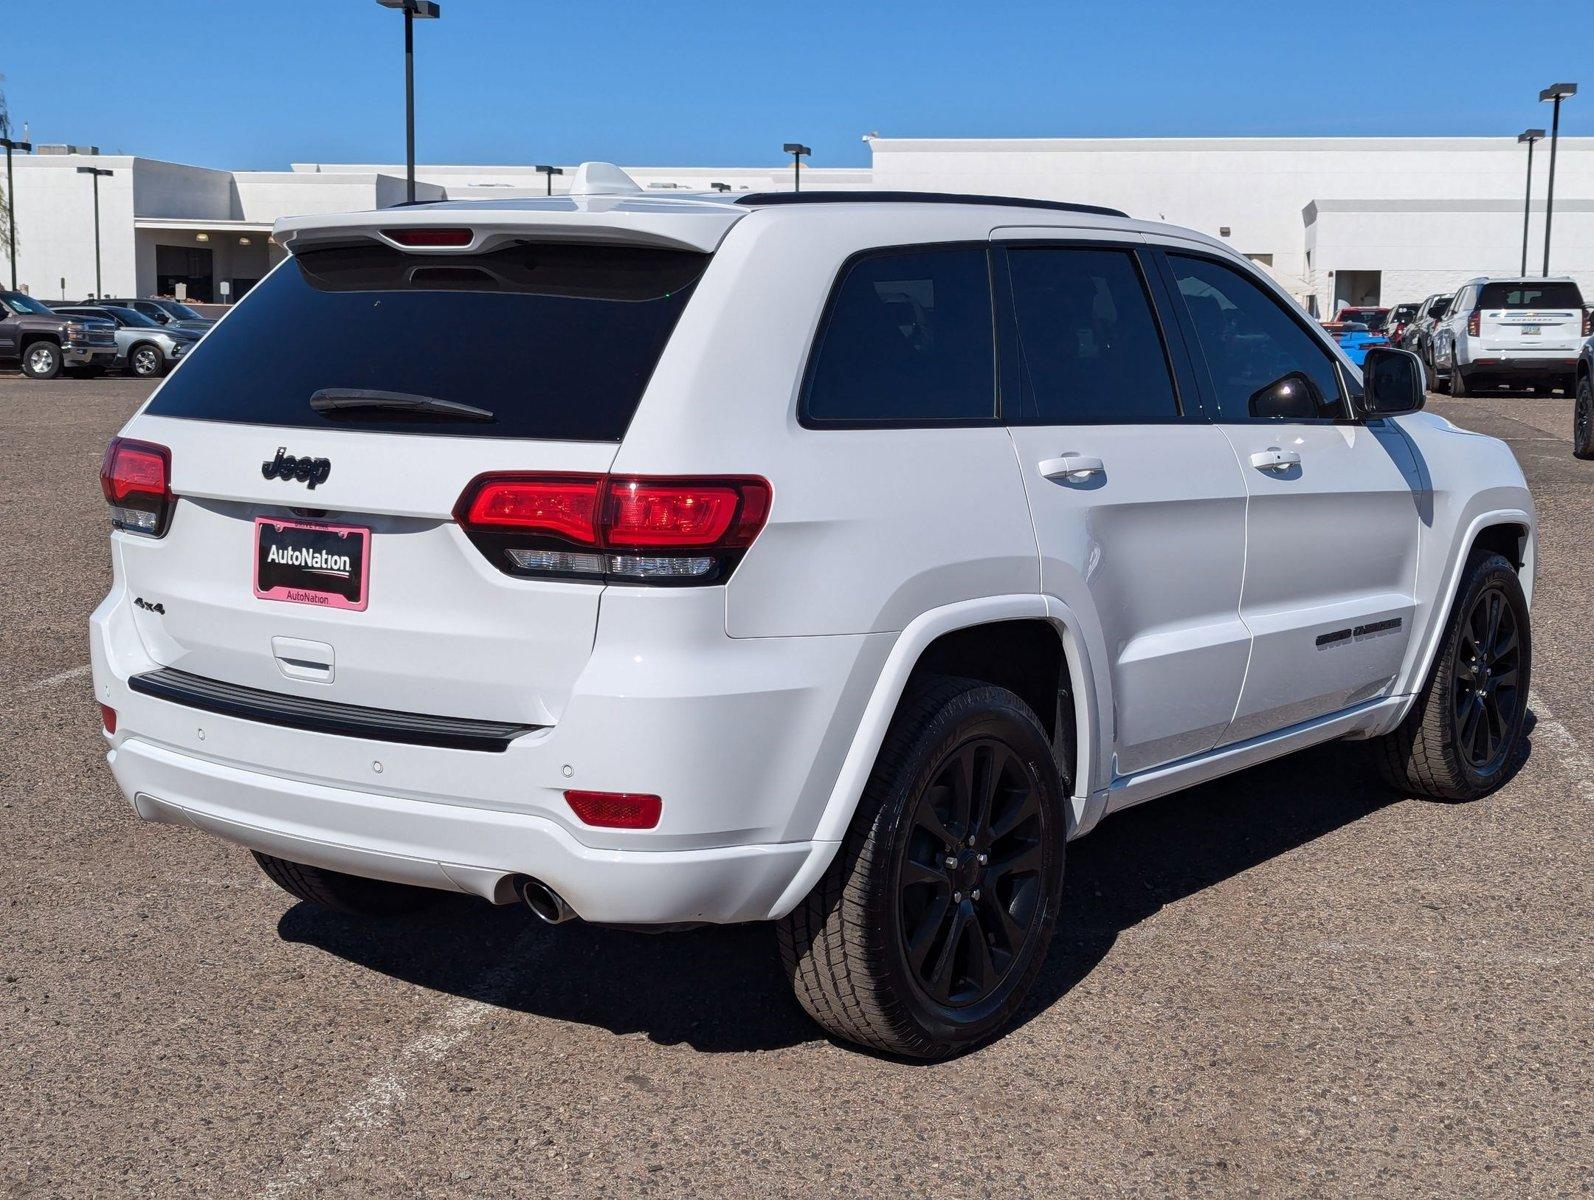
(832, 949)
(343, 893)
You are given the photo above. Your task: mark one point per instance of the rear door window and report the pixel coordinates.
(1262, 362)
(1548, 294)
(906, 340)
(1089, 349)
(556, 341)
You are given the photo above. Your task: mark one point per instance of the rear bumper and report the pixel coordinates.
(1520, 363)
(742, 738)
(448, 847)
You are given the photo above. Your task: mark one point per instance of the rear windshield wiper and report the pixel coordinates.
(333, 401)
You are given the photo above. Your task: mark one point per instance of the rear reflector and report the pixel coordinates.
(136, 479)
(635, 529)
(108, 718)
(616, 810)
(428, 236)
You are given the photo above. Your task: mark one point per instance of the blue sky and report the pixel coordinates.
(258, 84)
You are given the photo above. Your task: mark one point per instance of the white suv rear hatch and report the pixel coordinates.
(1529, 315)
(323, 433)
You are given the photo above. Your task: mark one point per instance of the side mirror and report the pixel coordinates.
(1393, 382)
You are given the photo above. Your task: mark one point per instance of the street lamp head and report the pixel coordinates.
(94, 171)
(1558, 91)
(1530, 136)
(419, 9)
(10, 144)
(543, 169)
(796, 148)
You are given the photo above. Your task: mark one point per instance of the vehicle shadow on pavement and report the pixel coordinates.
(722, 989)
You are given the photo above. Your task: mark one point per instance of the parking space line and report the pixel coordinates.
(40, 684)
(1567, 747)
(378, 1101)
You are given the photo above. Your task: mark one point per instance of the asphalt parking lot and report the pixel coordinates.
(1285, 983)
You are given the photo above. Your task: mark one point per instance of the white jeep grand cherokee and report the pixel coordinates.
(828, 559)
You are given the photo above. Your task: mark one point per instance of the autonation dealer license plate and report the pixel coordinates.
(311, 564)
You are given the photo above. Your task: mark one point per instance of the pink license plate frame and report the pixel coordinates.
(307, 594)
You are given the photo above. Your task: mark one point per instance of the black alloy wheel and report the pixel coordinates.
(1583, 419)
(1486, 697)
(969, 880)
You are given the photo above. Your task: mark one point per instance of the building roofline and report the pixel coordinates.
(1043, 144)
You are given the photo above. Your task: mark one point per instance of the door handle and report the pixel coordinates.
(1071, 466)
(1274, 459)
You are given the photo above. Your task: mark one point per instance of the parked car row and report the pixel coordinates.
(90, 337)
(1514, 331)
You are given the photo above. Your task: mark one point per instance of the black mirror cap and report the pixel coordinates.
(1393, 382)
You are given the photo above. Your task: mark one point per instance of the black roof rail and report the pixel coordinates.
(763, 198)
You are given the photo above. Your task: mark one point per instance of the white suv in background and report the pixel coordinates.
(1517, 331)
(829, 559)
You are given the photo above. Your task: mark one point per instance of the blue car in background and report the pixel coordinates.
(1356, 340)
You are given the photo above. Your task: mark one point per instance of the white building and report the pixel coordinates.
(1357, 220)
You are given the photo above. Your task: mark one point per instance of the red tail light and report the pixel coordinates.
(423, 235)
(1474, 323)
(1588, 322)
(616, 810)
(624, 529)
(108, 718)
(136, 478)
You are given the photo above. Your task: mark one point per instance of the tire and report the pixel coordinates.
(1436, 752)
(1583, 419)
(344, 893)
(846, 946)
(1458, 383)
(41, 360)
(146, 361)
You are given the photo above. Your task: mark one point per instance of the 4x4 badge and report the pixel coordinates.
(305, 470)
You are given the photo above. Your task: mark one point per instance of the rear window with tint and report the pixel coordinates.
(557, 341)
(1530, 295)
(907, 340)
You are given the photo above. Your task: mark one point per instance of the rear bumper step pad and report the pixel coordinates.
(325, 716)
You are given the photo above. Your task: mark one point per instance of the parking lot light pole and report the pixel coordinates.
(1555, 93)
(425, 10)
(796, 150)
(95, 173)
(550, 172)
(11, 203)
(1529, 136)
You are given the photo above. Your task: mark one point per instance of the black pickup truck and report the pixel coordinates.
(47, 342)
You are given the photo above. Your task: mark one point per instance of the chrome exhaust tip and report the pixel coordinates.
(548, 904)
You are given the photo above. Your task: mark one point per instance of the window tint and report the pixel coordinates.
(1531, 295)
(557, 340)
(1089, 347)
(907, 338)
(1261, 362)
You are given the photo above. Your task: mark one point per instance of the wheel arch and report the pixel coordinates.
(950, 639)
(1508, 532)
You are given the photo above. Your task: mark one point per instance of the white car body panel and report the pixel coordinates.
(1187, 590)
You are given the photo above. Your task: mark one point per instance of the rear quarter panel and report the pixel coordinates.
(868, 528)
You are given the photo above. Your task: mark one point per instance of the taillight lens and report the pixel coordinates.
(619, 529)
(108, 718)
(136, 478)
(616, 810)
(1588, 323)
(1474, 322)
